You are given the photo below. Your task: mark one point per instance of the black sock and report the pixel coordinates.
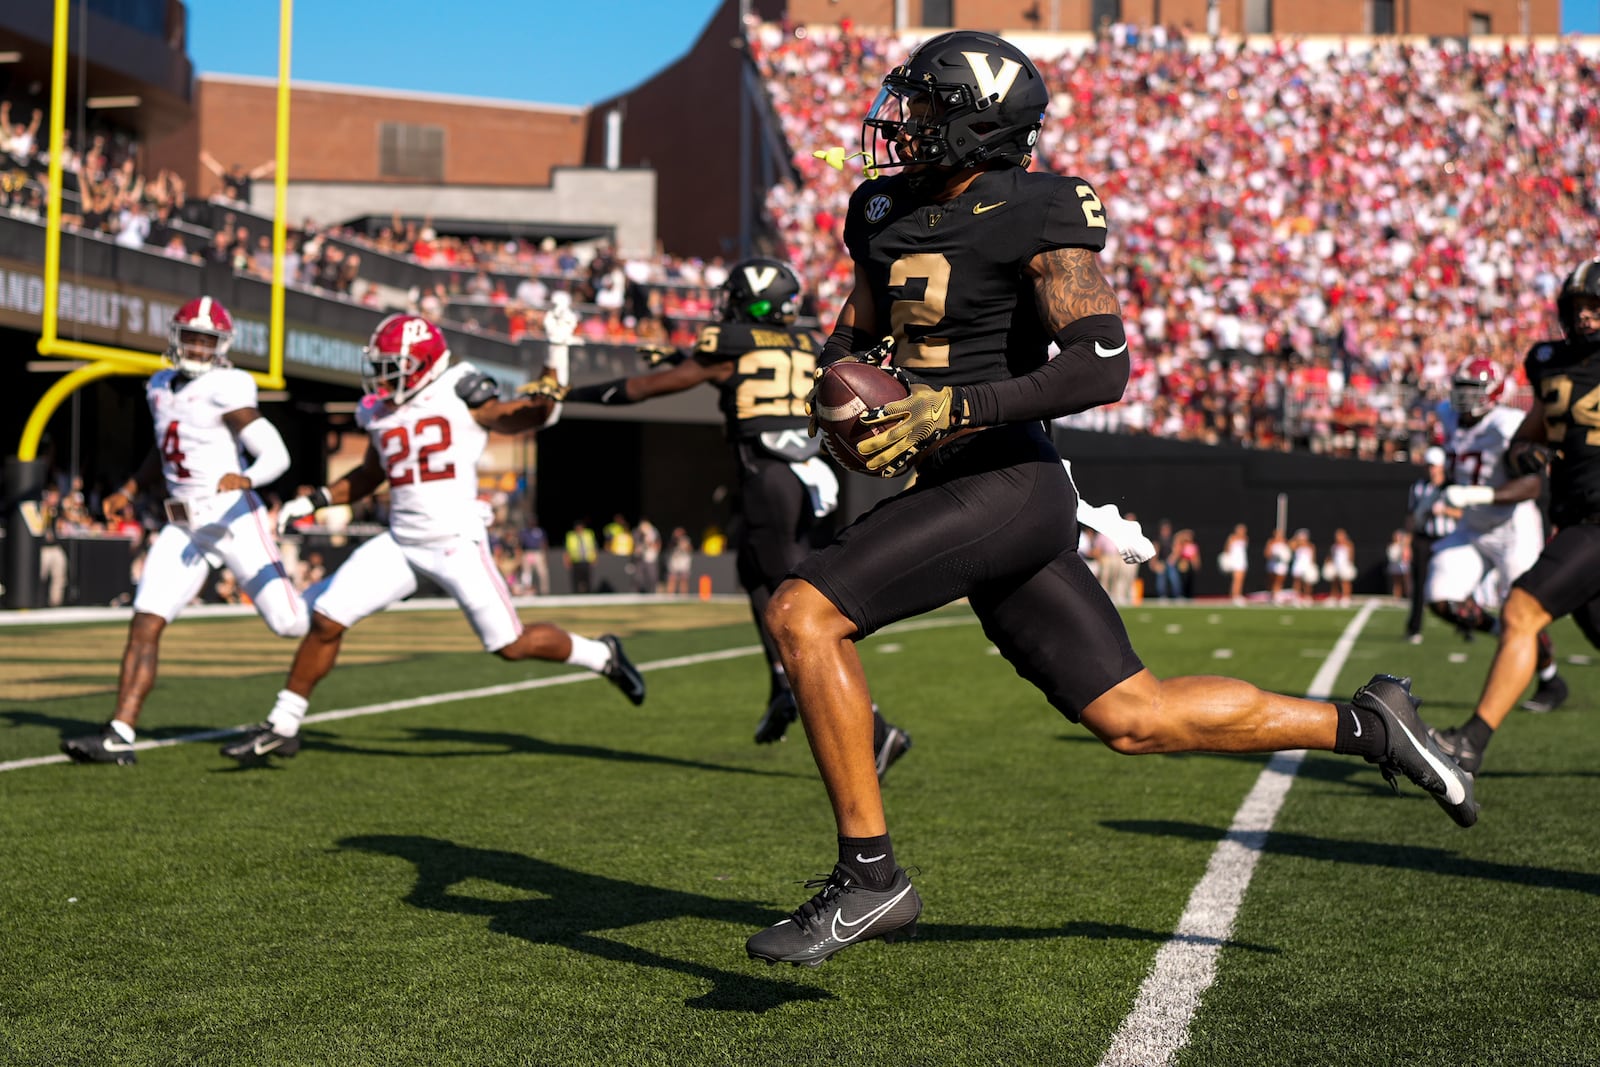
(1477, 732)
(1360, 733)
(870, 860)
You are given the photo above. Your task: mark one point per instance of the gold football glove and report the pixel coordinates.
(877, 355)
(910, 425)
(657, 354)
(545, 386)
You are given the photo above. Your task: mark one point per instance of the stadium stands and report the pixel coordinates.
(1306, 239)
(1308, 235)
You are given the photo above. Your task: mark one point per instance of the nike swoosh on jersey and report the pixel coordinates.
(979, 209)
(865, 922)
(1106, 353)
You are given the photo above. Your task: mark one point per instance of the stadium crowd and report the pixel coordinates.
(1305, 242)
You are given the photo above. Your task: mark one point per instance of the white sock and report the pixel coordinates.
(287, 713)
(123, 730)
(587, 652)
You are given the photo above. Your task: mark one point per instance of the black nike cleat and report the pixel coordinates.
(259, 743)
(621, 672)
(781, 711)
(895, 744)
(1412, 750)
(1548, 697)
(107, 746)
(1454, 743)
(842, 913)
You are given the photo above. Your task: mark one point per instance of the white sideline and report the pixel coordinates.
(124, 612)
(1185, 966)
(475, 694)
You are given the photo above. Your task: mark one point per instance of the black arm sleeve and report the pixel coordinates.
(842, 342)
(1092, 369)
(612, 393)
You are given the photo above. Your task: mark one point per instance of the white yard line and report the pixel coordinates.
(484, 691)
(1158, 1027)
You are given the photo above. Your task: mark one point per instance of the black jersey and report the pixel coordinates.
(1566, 379)
(772, 368)
(947, 279)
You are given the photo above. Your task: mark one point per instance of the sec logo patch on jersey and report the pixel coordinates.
(877, 208)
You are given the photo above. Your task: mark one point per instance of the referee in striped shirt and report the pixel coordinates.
(1428, 518)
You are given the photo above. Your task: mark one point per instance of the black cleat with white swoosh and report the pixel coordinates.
(842, 913)
(1412, 750)
(107, 746)
(621, 672)
(260, 743)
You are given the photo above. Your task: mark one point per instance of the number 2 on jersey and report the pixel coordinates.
(396, 445)
(926, 311)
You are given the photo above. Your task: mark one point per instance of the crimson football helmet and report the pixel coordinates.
(1584, 281)
(1477, 386)
(199, 336)
(959, 99)
(760, 290)
(405, 354)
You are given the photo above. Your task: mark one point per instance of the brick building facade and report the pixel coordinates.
(339, 133)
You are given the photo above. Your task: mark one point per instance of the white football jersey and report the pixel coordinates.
(430, 446)
(1477, 457)
(196, 446)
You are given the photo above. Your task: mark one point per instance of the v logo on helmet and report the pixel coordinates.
(760, 278)
(991, 84)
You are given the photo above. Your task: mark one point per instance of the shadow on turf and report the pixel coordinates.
(73, 727)
(1376, 854)
(574, 905)
(506, 744)
(579, 904)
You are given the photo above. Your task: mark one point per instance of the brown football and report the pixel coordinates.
(845, 392)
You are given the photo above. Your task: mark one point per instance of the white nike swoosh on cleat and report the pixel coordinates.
(266, 745)
(1454, 791)
(1106, 353)
(865, 922)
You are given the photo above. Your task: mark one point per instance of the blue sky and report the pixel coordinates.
(549, 51)
(1580, 16)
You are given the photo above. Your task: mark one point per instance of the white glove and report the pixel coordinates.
(1125, 534)
(560, 324)
(1466, 496)
(298, 508)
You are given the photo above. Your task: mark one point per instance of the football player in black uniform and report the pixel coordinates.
(761, 365)
(975, 265)
(1561, 433)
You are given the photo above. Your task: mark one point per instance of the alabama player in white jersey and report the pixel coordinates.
(1500, 532)
(205, 419)
(429, 423)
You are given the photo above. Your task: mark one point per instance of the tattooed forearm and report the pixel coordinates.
(1068, 285)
